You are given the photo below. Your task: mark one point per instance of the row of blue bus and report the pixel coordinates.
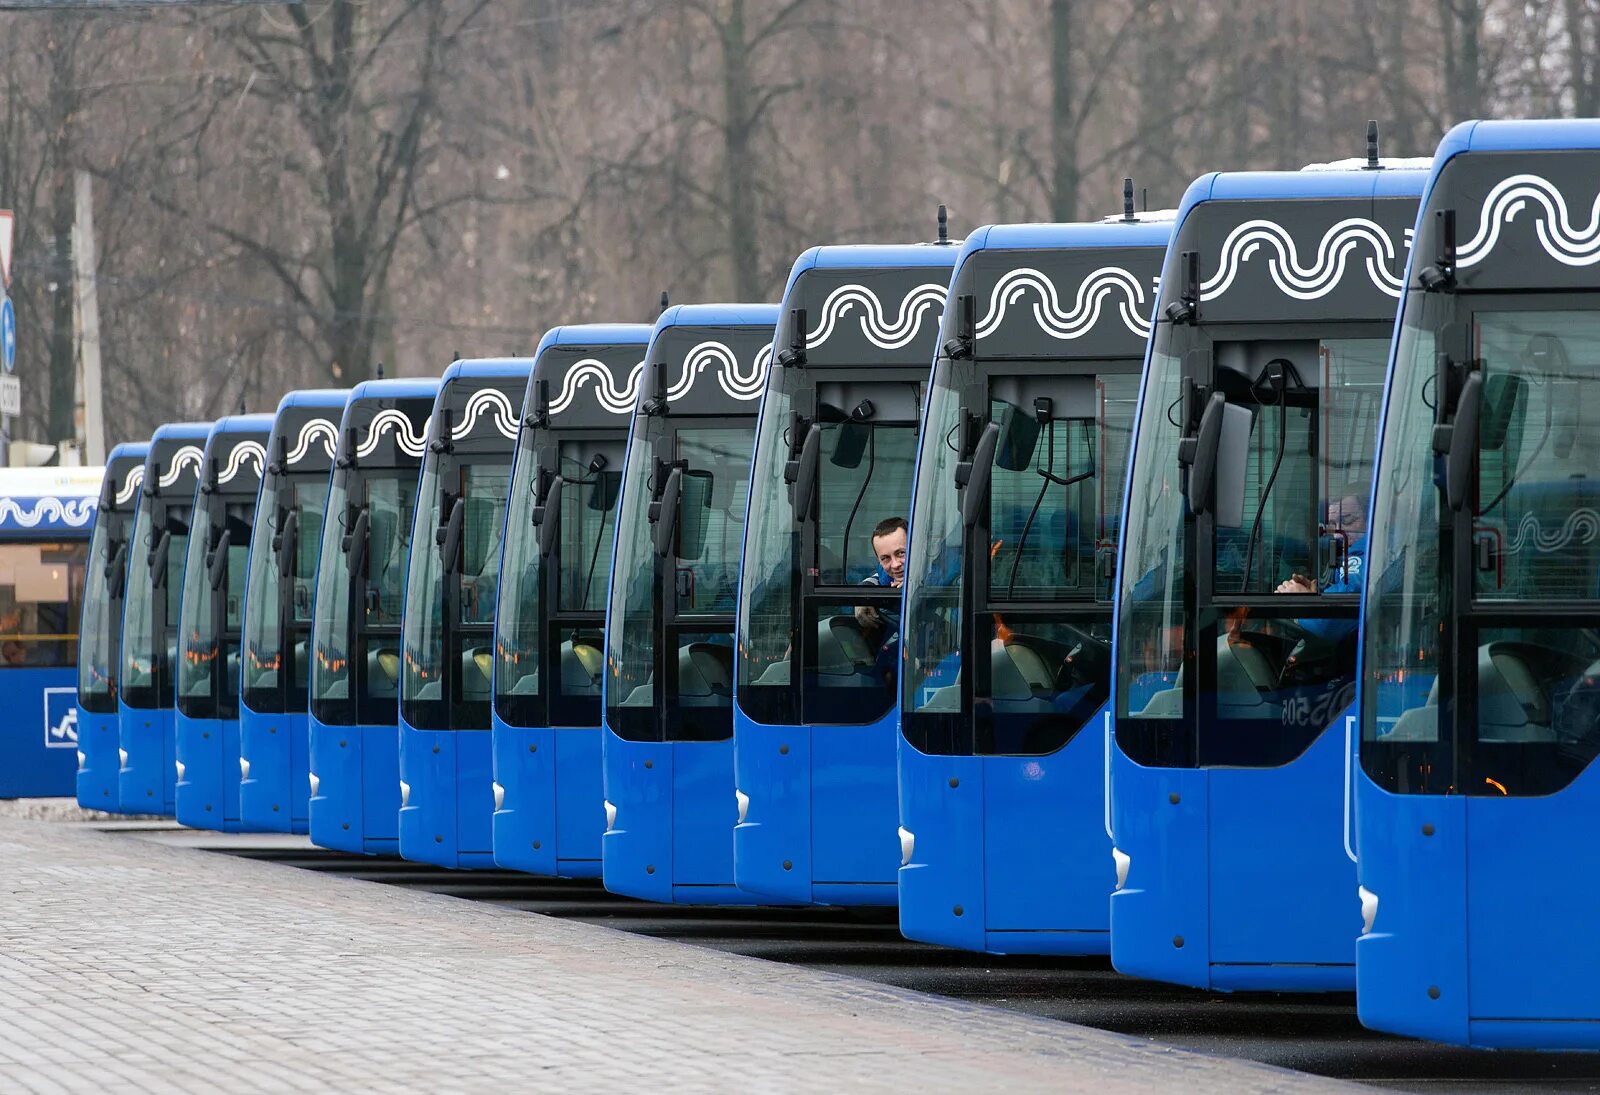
(1225, 600)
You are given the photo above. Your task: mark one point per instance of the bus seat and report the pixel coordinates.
(581, 662)
(705, 674)
(1243, 675)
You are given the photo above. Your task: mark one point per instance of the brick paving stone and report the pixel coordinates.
(134, 966)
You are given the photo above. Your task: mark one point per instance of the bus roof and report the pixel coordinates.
(242, 423)
(487, 368)
(717, 315)
(181, 431)
(399, 387)
(595, 334)
(129, 450)
(1527, 135)
(314, 397)
(1285, 185)
(865, 256)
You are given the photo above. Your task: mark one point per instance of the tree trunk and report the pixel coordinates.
(63, 368)
(1063, 129)
(737, 164)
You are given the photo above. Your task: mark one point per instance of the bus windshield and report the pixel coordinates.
(101, 626)
(355, 673)
(670, 650)
(212, 611)
(450, 591)
(1513, 575)
(1277, 553)
(570, 478)
(150, 615)
(283, 559)
(1031, 566)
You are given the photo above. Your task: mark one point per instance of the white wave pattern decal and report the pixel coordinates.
(735, 381)
(1562, 241)
(130, 484)
(1349, 237)
(614, 399)
(1058, 322)
(875, 325)
(389, 421)
(76, 512)
(189, 456)
(1582, 526)
(318, 429)
(245, 452)
(496, 404)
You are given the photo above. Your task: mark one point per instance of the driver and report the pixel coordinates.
(1347, 519)
(889, 539)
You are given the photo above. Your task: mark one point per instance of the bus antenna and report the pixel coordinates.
(944, 226)
(664, 301)
(1127, 201)
(1373, 163)
(380, 370)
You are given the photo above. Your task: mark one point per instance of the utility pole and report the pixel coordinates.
(89, 415)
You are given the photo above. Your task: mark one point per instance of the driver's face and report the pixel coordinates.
(1346, 514)
(891, 553)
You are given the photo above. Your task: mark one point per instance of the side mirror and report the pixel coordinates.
(355, 545)
(550, 518)
(448, 536)
(1203, 469)
(664, 513)
(1463, 440)
(805, 468)
(286, 542)
(217, 559)
(975, 484)
(117, 566)
(156, 560)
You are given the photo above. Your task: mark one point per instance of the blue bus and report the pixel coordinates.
(354, 775)
(211, 623)
(667, 747)
(279, 589)
(447, 633)
(100, 630)
(147, 752)
(1244, 538)
(818, 622)
(1477, 792)
(550, 621)
(1008, 595)
(46, 519)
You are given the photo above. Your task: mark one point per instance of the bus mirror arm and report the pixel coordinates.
(1203, 472)
(1463, 440)
(975, 494)
(116, 565)
(156, 560)
(547, 511)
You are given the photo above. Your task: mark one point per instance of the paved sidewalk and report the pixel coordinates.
(129, 965)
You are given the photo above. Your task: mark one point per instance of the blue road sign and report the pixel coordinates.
(8, 335)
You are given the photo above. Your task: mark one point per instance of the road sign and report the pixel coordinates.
(8, 222)
(8, 335)
(10, 395)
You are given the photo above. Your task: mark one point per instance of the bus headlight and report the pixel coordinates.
(742, 801)
(908, 845)
(122, 757)
(315, 782)
(178, 766)
(83, 761)
(499, 796)
(405, 793)
(611, 815)
(1369, 908)
(244, 768)
(1122, 860)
